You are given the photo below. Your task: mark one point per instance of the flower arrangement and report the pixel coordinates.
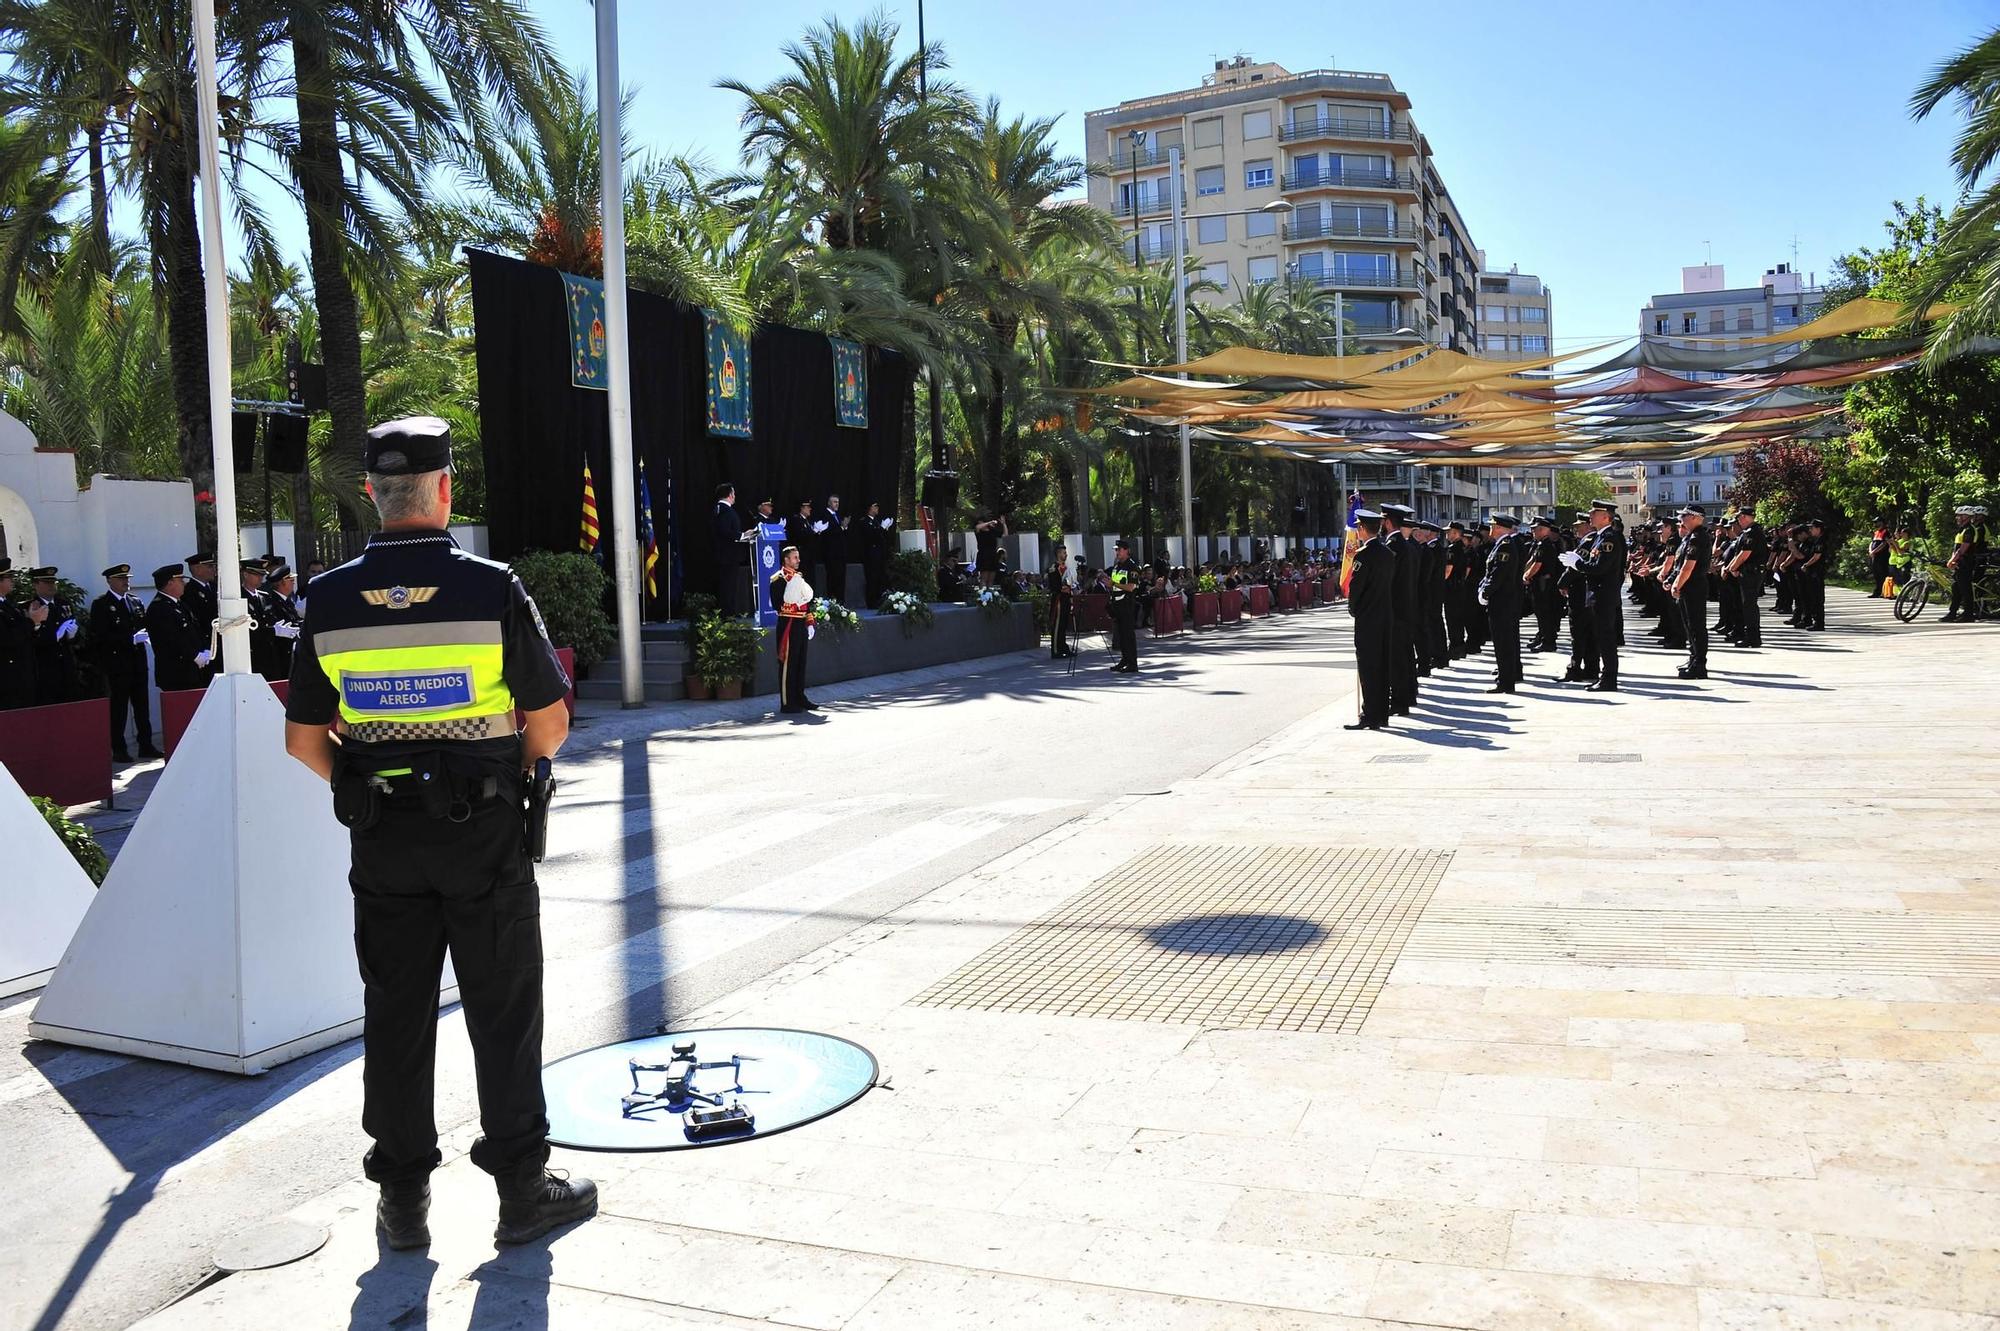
(1207, 583)
(914, 610)
(990, 599)
(826, 610)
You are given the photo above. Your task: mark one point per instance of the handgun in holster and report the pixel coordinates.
(539, 788)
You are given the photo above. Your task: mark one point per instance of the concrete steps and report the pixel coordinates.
(662, 667)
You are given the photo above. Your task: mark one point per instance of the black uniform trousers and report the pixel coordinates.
(1438, 649)
(422, 885)
(1547, 603)
(1374, 663)
(835, 579)
(1606, 618)
(1061, 611)
(1812, 598)
(792, 647)
(1125, 630)
(1749, 620)
(1403, 661)
(125, 682)
(1694, 623)
(1583, 645)
(1454, 620)
(1962, 603)
(1503, 619)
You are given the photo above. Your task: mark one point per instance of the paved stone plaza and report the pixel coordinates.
(1678, 1008)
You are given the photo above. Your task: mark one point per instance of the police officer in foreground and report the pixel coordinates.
(1371, 600)
(1403, 629)
(180, 659)
(1125, 619)
(1602, 561)
(421, 653)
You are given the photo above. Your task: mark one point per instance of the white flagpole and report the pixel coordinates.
(232, 610)
(617, 358)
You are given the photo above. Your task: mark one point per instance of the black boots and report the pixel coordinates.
(402, 1217)
(532, 1206)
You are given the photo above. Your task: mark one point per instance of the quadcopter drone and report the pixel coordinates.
(703, 1113)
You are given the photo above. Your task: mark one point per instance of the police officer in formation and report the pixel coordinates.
(1396, 520)
(1458, 590)
(421, 653)
(1501, 591)
(1572, 584)
(56, 632)
(17, 643)
(118, 647)
(1371, 602)
(1748, 554)
(1601, 560)
(1544, 601)
(1690, 588)
(180, 651)
(1809, 571)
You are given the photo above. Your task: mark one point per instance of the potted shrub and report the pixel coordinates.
(568, 590)
(1207, 601)
(699, 606)
(727, 652)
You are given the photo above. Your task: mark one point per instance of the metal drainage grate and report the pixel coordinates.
(1400, 758)
(1296, 938)
(1607, 757)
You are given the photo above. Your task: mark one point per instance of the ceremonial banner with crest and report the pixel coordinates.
(728, 378)
(585, 298)
(850, 383)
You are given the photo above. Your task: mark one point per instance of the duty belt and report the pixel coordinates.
(496, 725)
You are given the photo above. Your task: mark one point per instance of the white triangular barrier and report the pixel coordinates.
(223, 935)
(43, 893)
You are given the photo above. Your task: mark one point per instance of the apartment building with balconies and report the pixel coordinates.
(1515, 321)
(1322, 177)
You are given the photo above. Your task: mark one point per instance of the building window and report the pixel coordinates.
(1311, 266)
(1305, 168)
(1256, 125)
(1263, 270)
(1218, 273)
(1688, 324)
(1208, 133)
(1536, 344)
(1260, 224)
(1534, 314)
(1257, 174)
(1359, 168)
(1717, 321)
(1211, 230)
(1209, 180)
(1373, 269)
(1660, 325)
(1746, 320)
(1165, 139)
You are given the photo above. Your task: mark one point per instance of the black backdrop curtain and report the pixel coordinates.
(535, 427)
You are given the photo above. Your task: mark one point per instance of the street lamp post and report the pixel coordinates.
(1180, 332)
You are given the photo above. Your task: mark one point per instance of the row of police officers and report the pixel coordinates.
(49, 653)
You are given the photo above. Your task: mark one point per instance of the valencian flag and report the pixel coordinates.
(1352, 543)
(850, 383)
(585, 298)
(646, 537)
(728, 378)
(587, 539)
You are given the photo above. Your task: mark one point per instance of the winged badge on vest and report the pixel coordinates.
(399, 597)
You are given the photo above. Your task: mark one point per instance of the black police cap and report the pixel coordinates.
(118, 571)
(1606, 505)
(1505, 520)
(165, 574)
(6, 567)
(408, 447)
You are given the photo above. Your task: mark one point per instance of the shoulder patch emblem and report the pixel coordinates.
(398, 598)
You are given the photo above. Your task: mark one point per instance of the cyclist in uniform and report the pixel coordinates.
(1968, 555)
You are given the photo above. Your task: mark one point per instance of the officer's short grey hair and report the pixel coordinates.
(404, 498)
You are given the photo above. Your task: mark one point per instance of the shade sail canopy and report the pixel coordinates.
(1860, 315)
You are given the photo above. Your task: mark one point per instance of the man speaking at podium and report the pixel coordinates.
(420, 653)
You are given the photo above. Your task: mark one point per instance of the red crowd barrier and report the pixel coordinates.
(61, 751)
(1232, 605)
(1207, 609)
(1288, 596)
(1260, 599)
(1169, 615)
(1093, 612)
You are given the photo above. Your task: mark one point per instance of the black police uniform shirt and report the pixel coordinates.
(467, 588)
(1502, 583)
(1696, 548)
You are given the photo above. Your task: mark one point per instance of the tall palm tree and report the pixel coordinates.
(1966, 260)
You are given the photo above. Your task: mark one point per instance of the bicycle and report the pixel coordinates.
(1934, 578)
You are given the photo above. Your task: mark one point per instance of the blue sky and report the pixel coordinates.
(1602, 146)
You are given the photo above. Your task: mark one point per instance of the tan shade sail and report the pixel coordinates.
(1147, 388)
(1860, 315)
(1250, 363)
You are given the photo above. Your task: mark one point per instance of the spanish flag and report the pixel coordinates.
(587, 539)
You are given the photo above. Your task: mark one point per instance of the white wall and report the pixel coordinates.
(49, 521)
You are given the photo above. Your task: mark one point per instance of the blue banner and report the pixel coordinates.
(728, 377)
(585, 298)
(414, 691)
(850, 383)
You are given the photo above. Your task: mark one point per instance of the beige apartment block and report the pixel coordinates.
(1320, 176)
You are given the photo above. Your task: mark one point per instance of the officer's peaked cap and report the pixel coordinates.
(118, 571)
(408, 447)
(1606, 505)
(1505, 520)
(165, 574)
(1693, 511)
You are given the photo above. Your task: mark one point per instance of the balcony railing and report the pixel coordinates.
(1143, 158)
(1350, 231)
(1397, 180)
(1411, 278)
(1329, 127)
(1149, 203)
(1152, 251)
